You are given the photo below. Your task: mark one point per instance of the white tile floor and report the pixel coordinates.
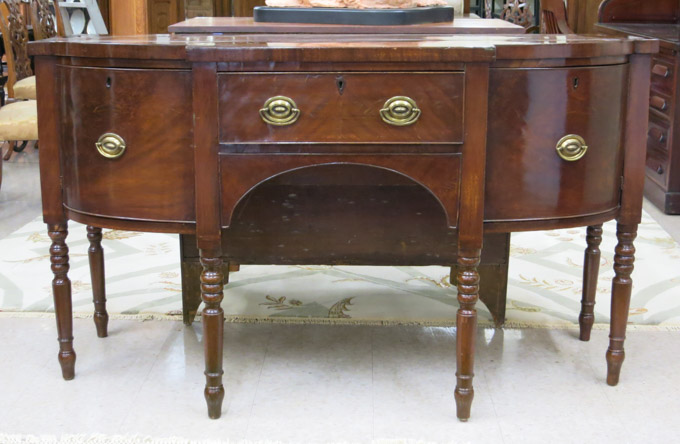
(329, 383)
(307, 383)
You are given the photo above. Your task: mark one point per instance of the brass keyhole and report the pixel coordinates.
(340, 84)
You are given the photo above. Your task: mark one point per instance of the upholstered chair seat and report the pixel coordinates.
(24, 89)
(19, 121)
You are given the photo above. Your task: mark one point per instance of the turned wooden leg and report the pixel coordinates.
(213, 330)
(466, 326)
(96, 256)
(621, 289)
(591, 269)
(191, 287)
(61, 288)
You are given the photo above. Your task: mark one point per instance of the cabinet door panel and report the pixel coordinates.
(530, 110)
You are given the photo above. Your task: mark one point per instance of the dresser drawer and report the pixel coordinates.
(658, 140)
(526, 178)
(663, 75)
(341, 108)
(658, 133)
(657, 165)
(150, 110)
(661, 103)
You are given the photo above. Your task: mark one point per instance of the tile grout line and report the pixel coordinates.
(373, 383)
(259, 378)
(145, 379)
(493, 404)
(603, 389)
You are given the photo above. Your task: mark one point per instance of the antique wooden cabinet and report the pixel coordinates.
(476, 134)
(659, 20)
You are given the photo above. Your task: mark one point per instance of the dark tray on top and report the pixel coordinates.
(345, 16)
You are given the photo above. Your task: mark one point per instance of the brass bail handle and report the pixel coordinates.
(280, 111)
(111, 145)
(400, 111)
(571, 147)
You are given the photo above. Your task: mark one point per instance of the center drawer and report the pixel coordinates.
(341, 108)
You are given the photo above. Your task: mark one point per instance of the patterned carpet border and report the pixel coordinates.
(121, 439)
(347, 322)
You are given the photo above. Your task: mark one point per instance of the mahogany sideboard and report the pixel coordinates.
(493, 267)
(658, 20)
(486, 134)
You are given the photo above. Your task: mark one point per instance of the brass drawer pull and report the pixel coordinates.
(657, 134)
(400, 111)
(658, 103)
(661, 70)
(280, 111)
(571, 147)
(111, 145)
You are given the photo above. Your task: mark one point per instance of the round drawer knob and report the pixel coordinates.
(571, 147)
(111, 145)
(400, 111)
(280, 111)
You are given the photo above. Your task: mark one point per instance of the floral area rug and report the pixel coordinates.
(143, 280)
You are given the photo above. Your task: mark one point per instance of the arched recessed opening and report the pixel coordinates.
(341, 214)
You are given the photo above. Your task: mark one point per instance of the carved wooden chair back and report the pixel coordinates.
(80, 17)
(518, 12)
(15, 39)
(554, 17)
(43, 19)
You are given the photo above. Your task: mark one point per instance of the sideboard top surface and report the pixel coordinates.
(232, 25)
(341, 48)
(666, 32)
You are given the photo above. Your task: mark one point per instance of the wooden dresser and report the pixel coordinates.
(659, 20)
(443, 138)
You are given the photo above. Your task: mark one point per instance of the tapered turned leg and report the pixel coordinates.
(466, 326)
(621, 289)
(591, 269)
(213, 330)
(61, 288)
(96, 256)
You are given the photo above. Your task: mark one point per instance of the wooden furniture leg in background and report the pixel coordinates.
(61, 288)
(621, 290)
(96, 256)
(591, 270)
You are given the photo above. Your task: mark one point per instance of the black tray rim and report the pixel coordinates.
(346, 16)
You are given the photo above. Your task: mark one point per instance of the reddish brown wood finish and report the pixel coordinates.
(147, 108)
(639, 11)
(470, 231)
(208, 230)
(61, 289)
(656, 20)
(345, 107)
(243, 172)
(554, 17)
(591, 270)
(531, 90)
(631, 211)
(96, 256)
(524, 129)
